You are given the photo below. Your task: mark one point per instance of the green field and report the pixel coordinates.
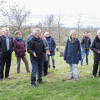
(56, 86)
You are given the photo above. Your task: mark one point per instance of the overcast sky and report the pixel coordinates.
(70, 10)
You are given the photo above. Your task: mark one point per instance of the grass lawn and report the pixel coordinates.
(56, 86)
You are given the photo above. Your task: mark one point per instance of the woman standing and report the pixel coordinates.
(72, 54)
(19, 48)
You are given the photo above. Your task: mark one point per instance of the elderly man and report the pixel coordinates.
(36, 49)
(6, 49)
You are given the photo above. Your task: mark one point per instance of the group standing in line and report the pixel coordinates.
(40, 50)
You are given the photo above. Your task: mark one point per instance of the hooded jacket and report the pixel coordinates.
(72, 53)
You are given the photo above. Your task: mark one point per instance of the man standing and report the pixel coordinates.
(36, 49)
(85, 43)
(6, 49)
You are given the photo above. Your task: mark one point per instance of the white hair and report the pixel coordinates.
(98, 31)
(72, 31)
(5, 28)
(46, 33)
(35, 30)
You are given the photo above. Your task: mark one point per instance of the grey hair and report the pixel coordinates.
(98, 31)
(5, 28)
(35, 30)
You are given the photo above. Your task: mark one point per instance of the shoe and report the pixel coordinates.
(70, 78)
(28, 72)
(0, 79)
(8, 78)
(41, 82)
(53, 66)
(94, 76)
(77, 79)
(49, 66)
(34, 85)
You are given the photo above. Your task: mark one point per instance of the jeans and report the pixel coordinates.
(53, 60)
(36, 66)
(75, 69)
(85, 51)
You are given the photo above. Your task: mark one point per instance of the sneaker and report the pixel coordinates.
(34, 85)
(0, 79)
(49, 66)
(53, 66)
(8, 78)
(70, 78)
(77, 79)
(94, 76)
(41, 82)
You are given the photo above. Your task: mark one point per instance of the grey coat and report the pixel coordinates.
(47, 48)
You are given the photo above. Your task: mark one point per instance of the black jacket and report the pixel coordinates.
(36, 45)
(85, 42)
(3, 47)
(95, 46)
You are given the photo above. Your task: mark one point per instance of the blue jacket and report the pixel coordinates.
(52, 45)
(72, 53)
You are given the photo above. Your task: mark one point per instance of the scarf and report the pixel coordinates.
(19, 38)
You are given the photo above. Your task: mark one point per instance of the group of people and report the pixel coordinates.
(73, 52)
(41, 48)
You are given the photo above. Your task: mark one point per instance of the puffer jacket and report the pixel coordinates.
(19, 47)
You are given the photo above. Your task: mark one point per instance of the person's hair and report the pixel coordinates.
(5, 28)
(17, 32)
(98, 31)
(86, 31)
(46, 33)
(35, 30)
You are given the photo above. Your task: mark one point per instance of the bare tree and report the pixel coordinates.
(49, 22)
(15, 14)
(59, 24)
(78, 24)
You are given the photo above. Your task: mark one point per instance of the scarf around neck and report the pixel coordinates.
(19, 38)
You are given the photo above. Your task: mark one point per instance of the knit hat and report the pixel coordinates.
(72, 31)
(46, 33)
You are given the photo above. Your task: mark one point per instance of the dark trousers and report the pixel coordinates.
(95, 67)
(5, 59)
(45, 65)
